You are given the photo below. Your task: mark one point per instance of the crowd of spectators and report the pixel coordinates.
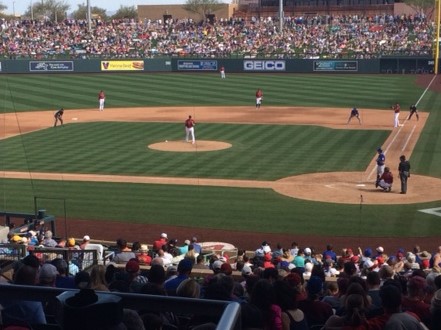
(291, 287)
(354, 36)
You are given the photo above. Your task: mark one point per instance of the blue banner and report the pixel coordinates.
(197, 65)
(50, 66)
(335, 66)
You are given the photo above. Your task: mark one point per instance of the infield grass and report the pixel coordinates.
(261, 152)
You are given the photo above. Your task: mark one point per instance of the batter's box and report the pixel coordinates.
(435, 211)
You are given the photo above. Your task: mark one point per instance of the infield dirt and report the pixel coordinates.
(336, 187)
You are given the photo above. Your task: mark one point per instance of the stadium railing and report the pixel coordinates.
(227, 312)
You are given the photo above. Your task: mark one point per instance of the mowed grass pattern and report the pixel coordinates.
(37, 92)
(260, 152)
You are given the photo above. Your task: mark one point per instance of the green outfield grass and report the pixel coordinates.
(40, 92)
(261, 152)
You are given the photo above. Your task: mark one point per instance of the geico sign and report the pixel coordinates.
(264, 65)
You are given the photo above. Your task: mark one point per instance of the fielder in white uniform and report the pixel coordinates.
(189, 130)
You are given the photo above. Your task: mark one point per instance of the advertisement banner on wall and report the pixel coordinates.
(197, 65)
(51, 66)
(335, 66)
(122, 65)
(264, 65)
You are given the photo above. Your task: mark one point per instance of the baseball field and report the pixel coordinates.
(291, 171)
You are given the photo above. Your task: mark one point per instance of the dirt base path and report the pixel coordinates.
(338, 187)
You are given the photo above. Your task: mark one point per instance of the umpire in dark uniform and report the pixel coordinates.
(413, 110)
(404, 172)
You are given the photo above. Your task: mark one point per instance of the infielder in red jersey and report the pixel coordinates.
(189, 129)
(101, 100)
(259, 97)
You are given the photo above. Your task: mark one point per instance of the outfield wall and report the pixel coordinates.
(401, 65)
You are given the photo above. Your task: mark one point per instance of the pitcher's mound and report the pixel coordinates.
(182, 146)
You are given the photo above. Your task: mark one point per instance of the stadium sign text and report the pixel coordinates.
(38, 66)
(197, 65)
(335, 66)
(122, 65)
(267, 65)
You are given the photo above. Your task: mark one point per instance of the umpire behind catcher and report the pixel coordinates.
(404, 172)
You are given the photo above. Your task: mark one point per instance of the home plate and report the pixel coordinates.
(361, 185)
(74, 118)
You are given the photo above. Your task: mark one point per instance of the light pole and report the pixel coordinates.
(13, 8)
(32, 11)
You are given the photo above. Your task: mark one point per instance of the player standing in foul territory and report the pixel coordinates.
(413, 110)
(58, 115)
(396, 109)
(354, 113)
(101, 100)
(189, 130)
(259, 97)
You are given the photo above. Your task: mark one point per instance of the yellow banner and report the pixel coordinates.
(122, 65)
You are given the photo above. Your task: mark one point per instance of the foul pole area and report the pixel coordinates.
(437, 25)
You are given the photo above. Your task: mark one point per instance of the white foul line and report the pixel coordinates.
(422, 95)
(399, 130)
(408, 138)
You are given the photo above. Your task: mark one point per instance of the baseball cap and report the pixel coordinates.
(226, 268)
(48, 271)
(132, 266)
(164, 235)
(380, 249)
(16, 238)
(187, 242)
(246, 270)
(86, 238)
(217, 264)
(307, 250)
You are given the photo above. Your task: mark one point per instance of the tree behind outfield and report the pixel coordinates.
(202, 7)
(126, 12)
(2, 8)
(96, 12)
(421, 6)
(49, 9)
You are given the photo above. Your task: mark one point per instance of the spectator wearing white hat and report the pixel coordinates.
(159, 243)
(86, 240)
(143, 255)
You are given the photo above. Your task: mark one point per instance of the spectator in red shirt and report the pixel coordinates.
(158, 244)
(143, 256)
